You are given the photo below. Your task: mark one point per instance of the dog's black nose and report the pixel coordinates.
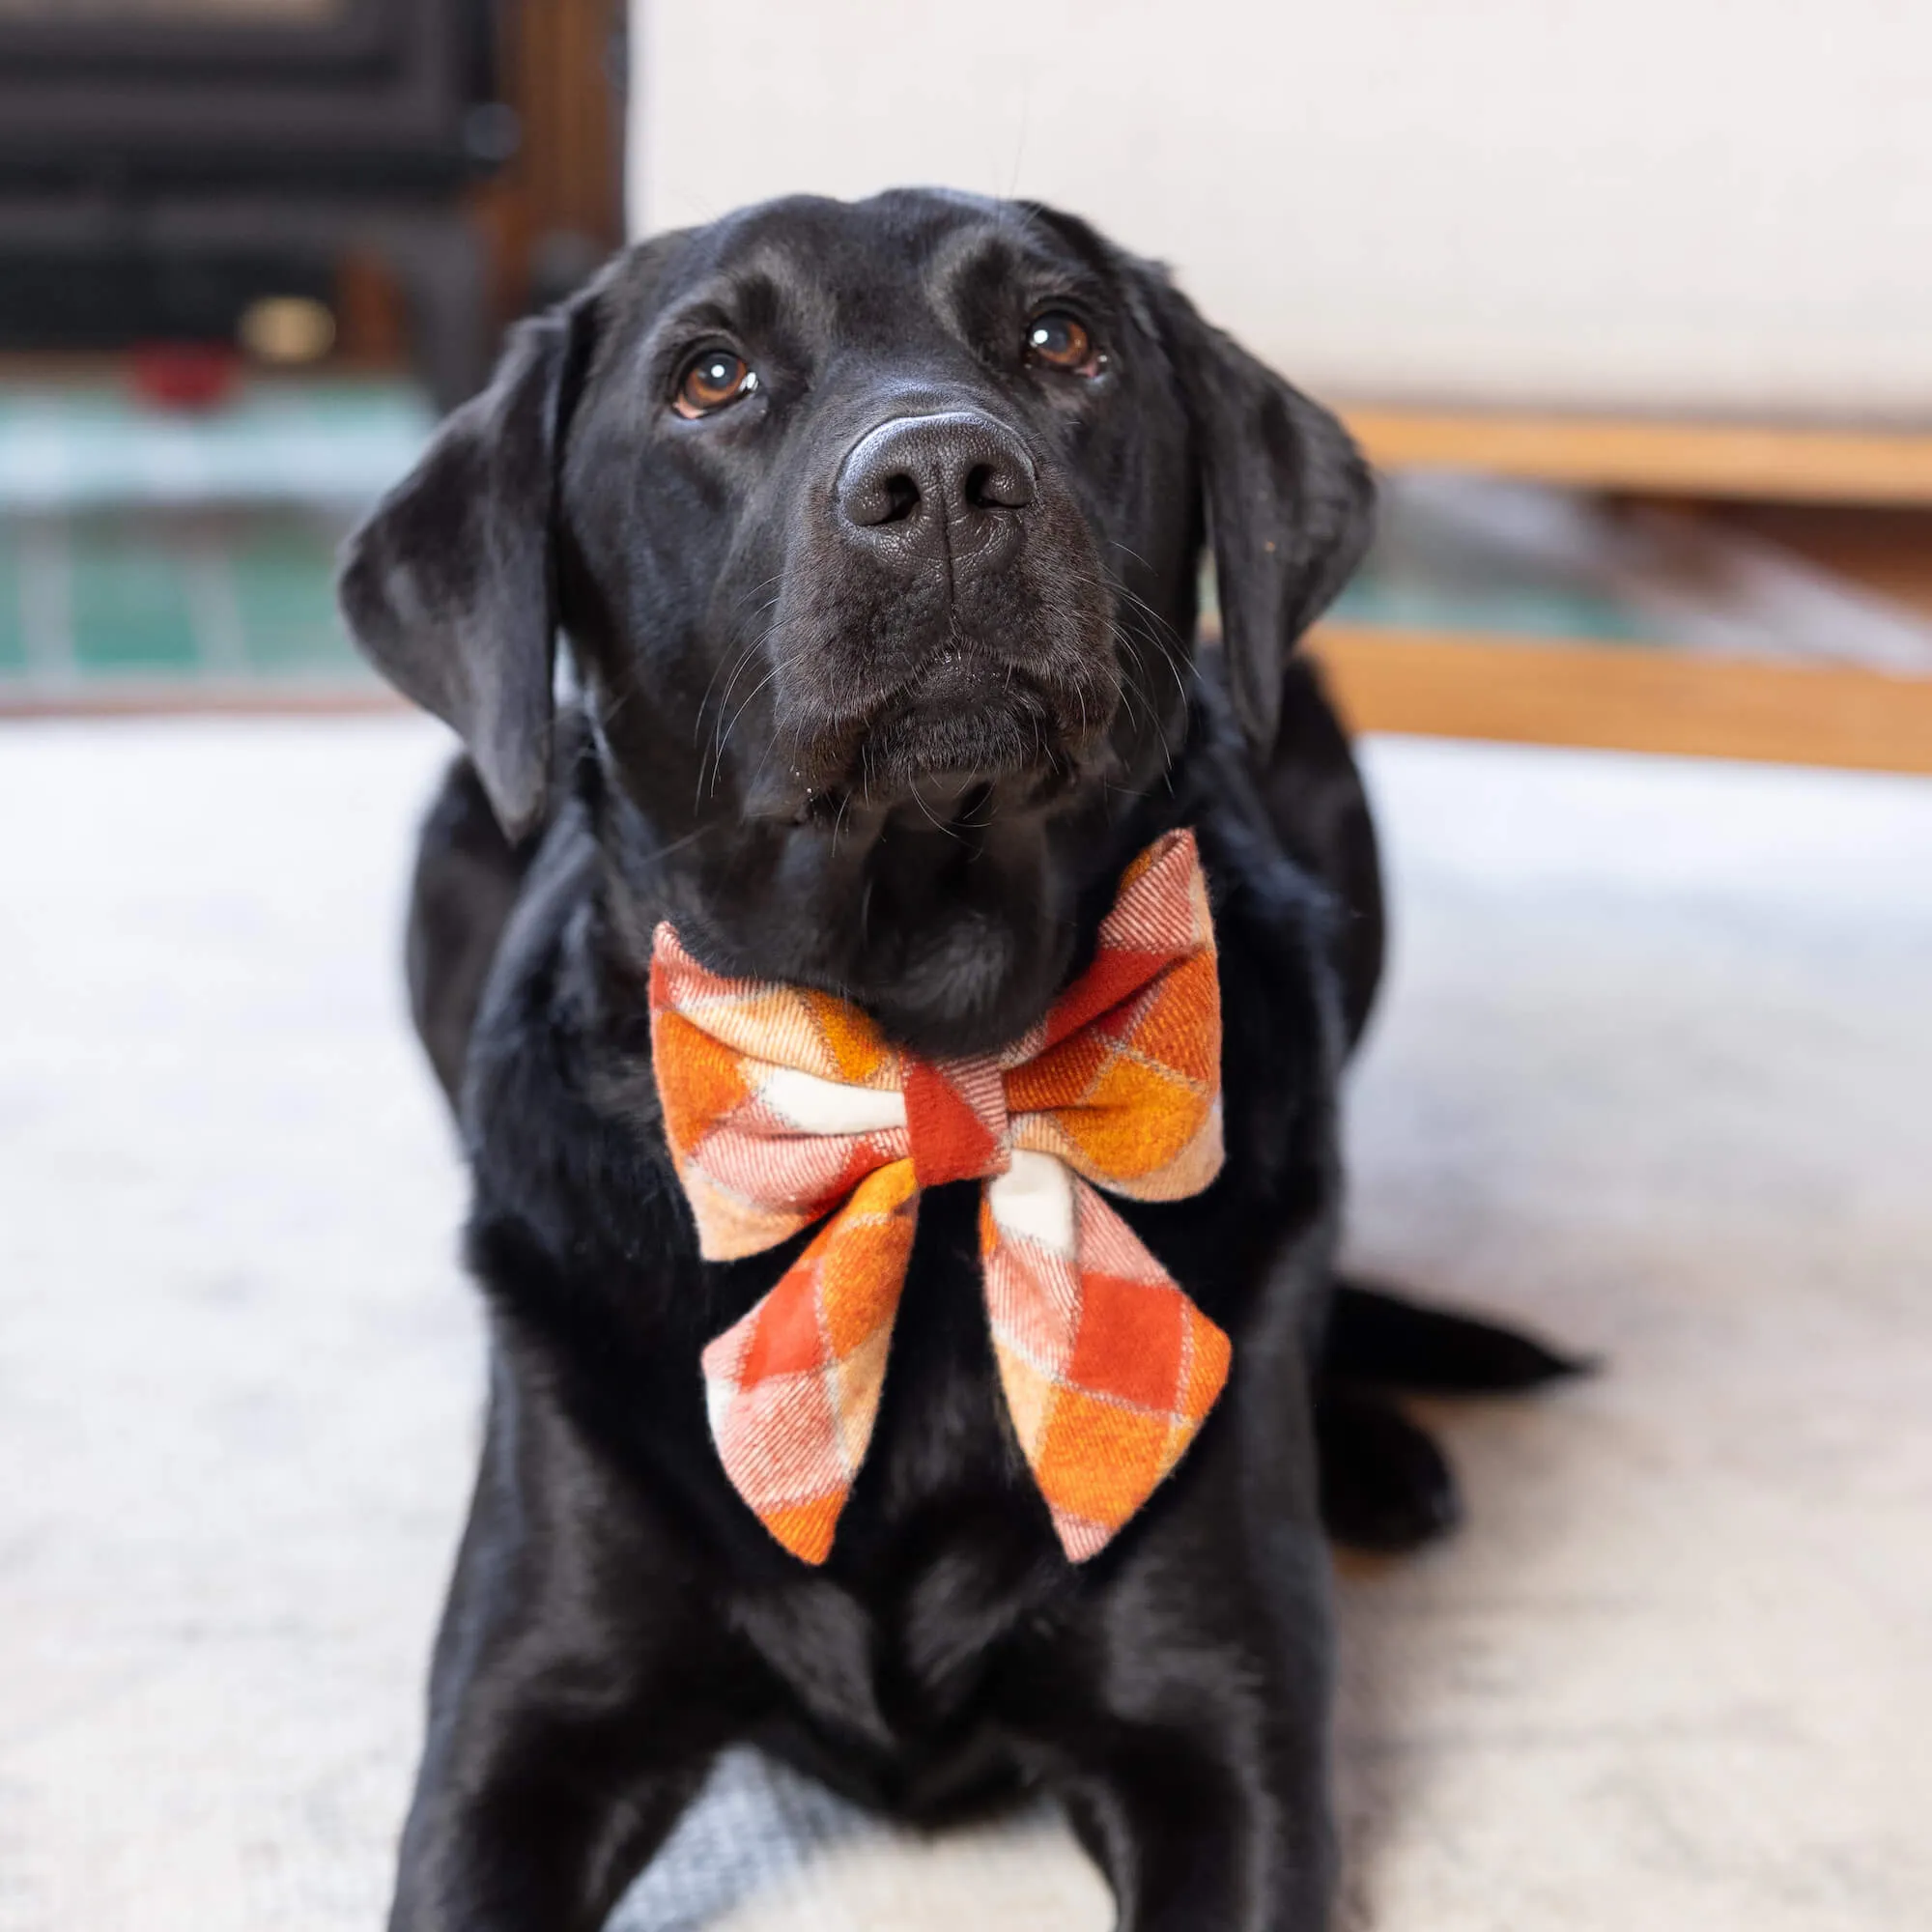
(915, 484)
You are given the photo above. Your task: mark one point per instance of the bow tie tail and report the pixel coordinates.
(794, 1387)
(1109, 1369)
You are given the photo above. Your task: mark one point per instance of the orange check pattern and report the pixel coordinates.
(782, 1106)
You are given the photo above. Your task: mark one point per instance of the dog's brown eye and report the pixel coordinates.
(711, 380)
(1058, 340)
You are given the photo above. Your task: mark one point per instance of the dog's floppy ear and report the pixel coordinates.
(447, 585)
(1290, 504)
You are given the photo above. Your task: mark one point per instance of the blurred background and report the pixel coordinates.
(248, 248)
(1632, 306)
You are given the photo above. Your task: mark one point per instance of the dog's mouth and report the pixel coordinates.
(959, 748)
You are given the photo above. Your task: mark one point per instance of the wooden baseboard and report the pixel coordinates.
(1626, 699)
(1660, 457)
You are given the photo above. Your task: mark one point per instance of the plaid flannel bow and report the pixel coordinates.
(782, 1104)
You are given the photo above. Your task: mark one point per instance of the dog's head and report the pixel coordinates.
(873, 531)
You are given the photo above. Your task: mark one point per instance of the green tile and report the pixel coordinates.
(131, 610)
(1411, 599)
(12, 627)
(284, 575)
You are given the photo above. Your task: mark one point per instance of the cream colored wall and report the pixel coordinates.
(1705, 203)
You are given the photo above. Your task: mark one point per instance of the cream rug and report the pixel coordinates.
(1653, 1073)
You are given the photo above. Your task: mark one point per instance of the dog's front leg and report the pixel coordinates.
(1188, 1702)
(578, 1692)
(1203, 1796)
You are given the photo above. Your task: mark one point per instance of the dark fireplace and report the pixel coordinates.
(127, 92)
(165, 162)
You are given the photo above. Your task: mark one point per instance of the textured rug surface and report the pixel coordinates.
(1651, 1072)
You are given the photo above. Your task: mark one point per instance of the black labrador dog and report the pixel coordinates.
(875, 534)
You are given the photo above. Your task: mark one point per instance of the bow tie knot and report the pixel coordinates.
(783, 1106)
(957, 1120)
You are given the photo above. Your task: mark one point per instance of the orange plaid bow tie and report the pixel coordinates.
(782, 1104)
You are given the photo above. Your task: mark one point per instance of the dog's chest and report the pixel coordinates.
(944, 1547)
(946, 1574)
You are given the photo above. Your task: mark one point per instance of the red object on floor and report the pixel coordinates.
(185, 374)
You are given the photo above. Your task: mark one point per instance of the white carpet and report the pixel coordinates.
(1653, 1073)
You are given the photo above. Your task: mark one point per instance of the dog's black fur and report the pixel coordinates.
(886, 669)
